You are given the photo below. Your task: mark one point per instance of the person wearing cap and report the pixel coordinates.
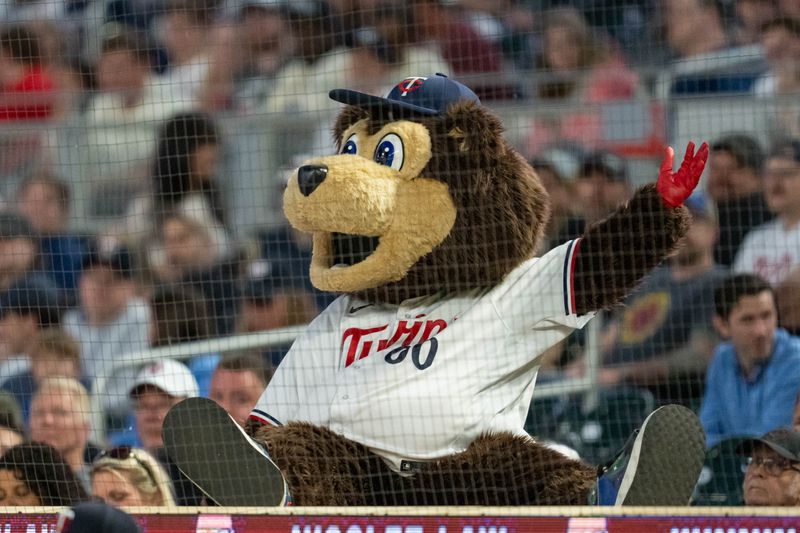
(733, 182)
(96, 517)
(663, 338)
(157, 388)
(772, 477)
(753, 379)
(112, 320)
(601, 185)
(30, 305)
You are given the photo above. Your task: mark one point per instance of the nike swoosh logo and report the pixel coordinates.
(354, 309)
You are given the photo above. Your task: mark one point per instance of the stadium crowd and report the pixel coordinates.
(148, 80)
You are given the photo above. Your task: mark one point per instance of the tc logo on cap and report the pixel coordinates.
(410, 84)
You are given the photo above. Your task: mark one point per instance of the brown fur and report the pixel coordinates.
(323, 468)
(501, 204)
(617, 252)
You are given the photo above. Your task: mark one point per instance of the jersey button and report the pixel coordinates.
(345, 397)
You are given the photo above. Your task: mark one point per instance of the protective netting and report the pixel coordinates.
(148, 253)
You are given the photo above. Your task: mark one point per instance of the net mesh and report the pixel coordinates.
(175, 215)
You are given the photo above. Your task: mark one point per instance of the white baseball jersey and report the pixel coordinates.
(421, 380)
(771, 250)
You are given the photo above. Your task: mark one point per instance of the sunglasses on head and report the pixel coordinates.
(125, 453)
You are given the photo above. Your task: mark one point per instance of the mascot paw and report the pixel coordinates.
(675, 187)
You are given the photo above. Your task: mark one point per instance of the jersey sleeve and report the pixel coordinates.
(293, 393)
(539, 293)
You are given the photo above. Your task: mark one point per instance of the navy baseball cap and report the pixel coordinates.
(33, 295)
(96, 517)
(418, 95)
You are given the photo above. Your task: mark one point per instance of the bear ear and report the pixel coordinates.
(349, 116)
(474, 128)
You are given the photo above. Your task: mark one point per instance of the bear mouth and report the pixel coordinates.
(351, 249)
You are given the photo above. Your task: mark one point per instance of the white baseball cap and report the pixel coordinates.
(167, 375)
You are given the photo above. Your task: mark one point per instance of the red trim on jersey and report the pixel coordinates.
(260, 420)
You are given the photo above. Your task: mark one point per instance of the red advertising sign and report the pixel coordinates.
(207, 523)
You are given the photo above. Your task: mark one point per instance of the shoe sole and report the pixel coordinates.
(215, 453)
(666, 459)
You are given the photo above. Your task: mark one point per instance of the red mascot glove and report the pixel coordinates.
(677, 187)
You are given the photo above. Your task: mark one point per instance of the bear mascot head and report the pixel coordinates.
(425, 196)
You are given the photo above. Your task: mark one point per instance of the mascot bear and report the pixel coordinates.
(413, 386)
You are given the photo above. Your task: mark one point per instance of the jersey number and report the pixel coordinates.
(398, 355)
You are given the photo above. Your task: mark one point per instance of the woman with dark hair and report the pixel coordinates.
(184, 175)
(35, 474)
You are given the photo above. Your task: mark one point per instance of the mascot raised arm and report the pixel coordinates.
(412, 388)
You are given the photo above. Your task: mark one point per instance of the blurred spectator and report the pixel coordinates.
(578, 65)
(122, 116)
(772, 250)
(780, 39)
(461, 45)
(180, 314)
(156, 389)
(601, 186)
(131, 477)
(321, 60)
(734, 183)
(772, 477)
(238, 382)
(61, 417)
(54, 354)
(754, 378)
(272, 299)
(19, 249)
(96, 517)
(12, 431)
(44, 201)
(266, 50)
(189, 260)
(186, 30)
(399, 46)
(35, 474)
(751, 15)
(111, 321)
(663, 337)
(184, 181)
(28, 92)
(694, 27)
(559, 190)
(26, 308)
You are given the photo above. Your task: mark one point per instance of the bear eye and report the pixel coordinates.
(351, 146)
(390, 152)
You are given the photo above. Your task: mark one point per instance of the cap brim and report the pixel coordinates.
(379, 105)
(746, 447)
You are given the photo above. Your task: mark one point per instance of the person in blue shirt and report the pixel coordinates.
(753, 380)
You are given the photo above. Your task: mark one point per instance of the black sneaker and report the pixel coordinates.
(659, 465)
(216, 454)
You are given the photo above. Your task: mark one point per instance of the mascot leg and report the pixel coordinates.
(505, 469)
(323, 468)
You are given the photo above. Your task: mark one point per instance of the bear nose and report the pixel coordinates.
(309, 177)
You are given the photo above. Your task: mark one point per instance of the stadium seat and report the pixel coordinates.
(720, 482)
(599, 432)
